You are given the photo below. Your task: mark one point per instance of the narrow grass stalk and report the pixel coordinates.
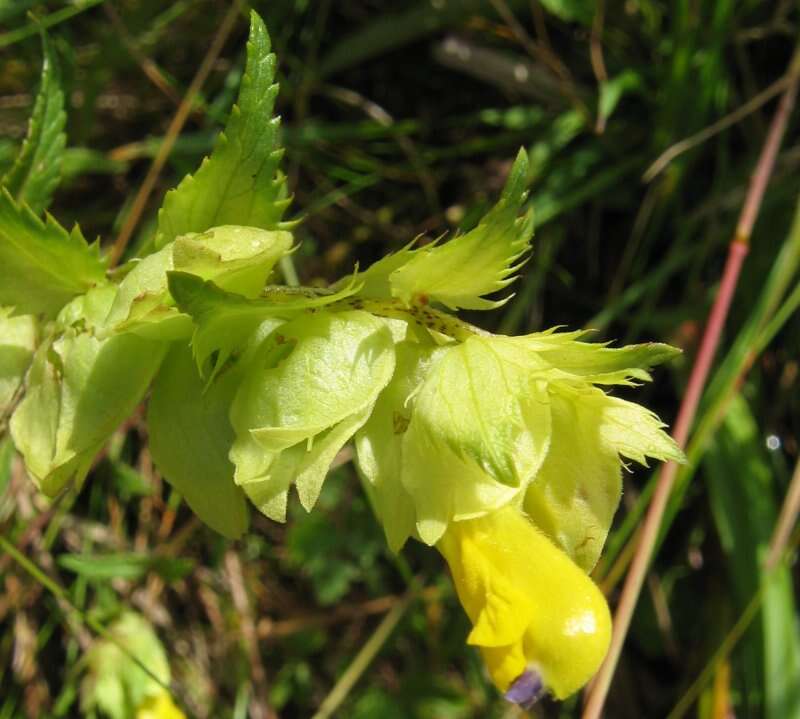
(46, 22)
(363, 659)
(707, 133)
(739, 628)
(59, 593)
(731, 640)
(174, 130)
(259, 708)
(786, 520)
(767, 319)
(697, 380)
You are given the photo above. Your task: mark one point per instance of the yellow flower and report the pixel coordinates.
(160, 706)
(540, 622)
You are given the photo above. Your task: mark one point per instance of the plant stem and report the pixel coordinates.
(697, 380)
(786, 520)
(739, 628)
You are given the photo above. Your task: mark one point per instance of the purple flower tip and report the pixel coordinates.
(526, 689)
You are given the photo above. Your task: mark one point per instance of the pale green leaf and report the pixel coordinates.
(631, 430)
(459, 272)
(310, 374)
(36, 171)
(190, 437)
(17, 344)
(595, 362)
(143, 296)
(34, 426)
(479, 432)
(224, 320)
(42, 266)
(636, 432)
(304, 466)
(379, 443)
(576, 492)
(238, 259)
(240, 182)
(80, 388)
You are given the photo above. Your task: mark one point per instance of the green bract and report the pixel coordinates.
(79, 389)
(576, 492)
(459, 272)
(480, 444)
(494, 420)
(479, 432)
(235, 257)
(190, 436)
(380, 442)
(223, 321)
(484, 260)
(310, 387)
(17, 343)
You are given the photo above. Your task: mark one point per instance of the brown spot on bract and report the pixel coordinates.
(400, 423)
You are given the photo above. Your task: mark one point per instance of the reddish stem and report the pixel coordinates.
(647, 538)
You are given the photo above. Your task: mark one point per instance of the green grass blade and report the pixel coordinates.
(37, 169)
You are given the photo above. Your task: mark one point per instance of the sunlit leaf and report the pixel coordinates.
(595, 362)
(42, 266)
(479, 432)
(236, 258)
(190, 437)
(459, 272)
(224, 320)
(314, 380)
(379, 443)
(17, 343)
(239, 183)
(577, 490)
(78, 391)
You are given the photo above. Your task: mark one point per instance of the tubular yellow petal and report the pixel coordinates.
(533, 609)
(159, 706)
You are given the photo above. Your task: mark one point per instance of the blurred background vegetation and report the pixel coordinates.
(401, 119)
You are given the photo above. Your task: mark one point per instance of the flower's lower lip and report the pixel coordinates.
(526, 689)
